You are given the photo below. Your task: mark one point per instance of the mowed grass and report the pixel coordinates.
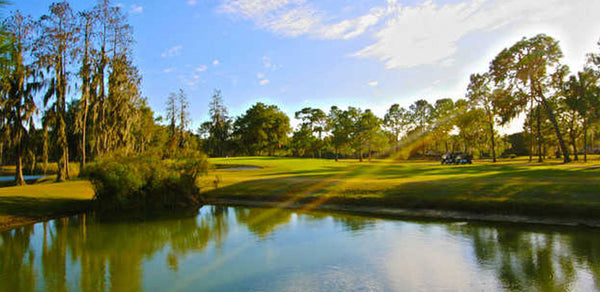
(510, 187)
(21, 205)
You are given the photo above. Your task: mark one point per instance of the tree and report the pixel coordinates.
(184, 119)
(368, 130)
(262, 128)
(219, 126)
(87, 20)
(18, 89)
(315, 120)
(526, 70)
(420, 115)
(55, 50)
(481, 96)
(172, 113)
(442, 116)
(397, 121)
(581, 97)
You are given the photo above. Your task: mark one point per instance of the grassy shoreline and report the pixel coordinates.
(22, 205)
(508, 191)
(510, 188)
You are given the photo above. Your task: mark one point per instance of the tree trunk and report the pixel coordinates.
(336, 154)
(84, 126)
(585, 140)
(561, 142)
(493, 140)
(530, 132)
(574, 143)
(539, 134)
(19, 180)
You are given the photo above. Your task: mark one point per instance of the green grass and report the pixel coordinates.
(510, 187)
(21, 205)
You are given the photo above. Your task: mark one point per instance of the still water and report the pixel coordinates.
(234, 248)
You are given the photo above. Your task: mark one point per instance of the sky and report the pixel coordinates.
(306, 53)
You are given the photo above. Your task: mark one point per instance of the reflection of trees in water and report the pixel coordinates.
(16, 259)
(529, 261)
(261, 221)
(109, 254)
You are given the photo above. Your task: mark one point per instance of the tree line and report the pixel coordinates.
(69, 92)
(561, 110)
(80, 64)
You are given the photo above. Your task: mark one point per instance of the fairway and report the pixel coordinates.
(509, 187)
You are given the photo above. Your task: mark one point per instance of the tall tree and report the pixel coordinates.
(172, 113)
(581, 97)
(526, 70)
(368, 130)
(420, 114)
(262, 128)
(219, 126)
(18, 88)
(397, 121)
(315, 120)
(55, 50)
(184, 118)
(480, 95)
(87, 20)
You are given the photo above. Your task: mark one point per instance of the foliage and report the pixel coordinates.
(146, 182)
(262, 129)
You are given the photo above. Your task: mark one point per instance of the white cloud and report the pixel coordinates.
(264, 82)
(430, 33)
(201, 68)
(169, 70)
(216, 63)
(267, 62)
(191, 2)
(373, 83)
(260, 75)
(135, 9)
(171, 52)
(294, 18)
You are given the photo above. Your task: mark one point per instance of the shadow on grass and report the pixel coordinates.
(39, 208)
(502, 190)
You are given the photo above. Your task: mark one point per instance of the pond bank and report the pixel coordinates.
(399, 213)
(23, 205)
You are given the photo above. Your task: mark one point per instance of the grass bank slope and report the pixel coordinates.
(511, 187)
(21, 205)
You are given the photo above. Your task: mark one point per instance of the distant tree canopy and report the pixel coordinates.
(261, 130)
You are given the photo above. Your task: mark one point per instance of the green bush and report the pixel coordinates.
(146, 182)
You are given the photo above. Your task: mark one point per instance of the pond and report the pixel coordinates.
(26, 177)
(240, 249)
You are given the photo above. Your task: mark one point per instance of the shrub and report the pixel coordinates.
(146, 182)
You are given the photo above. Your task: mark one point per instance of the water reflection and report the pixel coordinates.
(273, 249)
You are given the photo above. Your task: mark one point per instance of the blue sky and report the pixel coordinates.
(368, 53)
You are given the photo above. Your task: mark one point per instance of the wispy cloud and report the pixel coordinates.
(201, 68)
(216, 63)
(430, 33)
(135, 9)
(171, 52)
(260, 75)
(426, 33)
(264, 82)
(191, 2)
(373, 83)
(169, 70)
(294, 18)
